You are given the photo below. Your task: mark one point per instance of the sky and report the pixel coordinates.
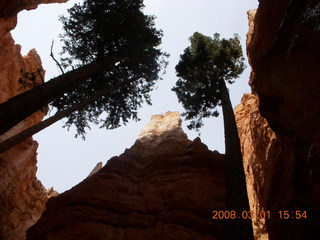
(64, 161)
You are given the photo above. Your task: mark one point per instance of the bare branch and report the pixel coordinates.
(51, 55)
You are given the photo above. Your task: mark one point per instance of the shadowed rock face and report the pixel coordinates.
(278, 177)
(22, 196)
(284, 53)
(268, 162)
(279, 125)
(164, 187)
(12, 8)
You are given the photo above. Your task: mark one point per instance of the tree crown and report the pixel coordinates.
(95, 30)
(201, 68)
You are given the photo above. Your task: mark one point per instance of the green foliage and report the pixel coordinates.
(29, 79)
(202, 67)
(95, 30)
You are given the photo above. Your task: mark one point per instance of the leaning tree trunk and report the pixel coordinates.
(12, 141)
(23, 105)
(236, 189)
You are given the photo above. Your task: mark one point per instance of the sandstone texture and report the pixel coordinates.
(96, 169)
(278, 177)
(12, 8)
(268, 163)
(284, 54)
(22, 196)
(279, 124)
(164, 187)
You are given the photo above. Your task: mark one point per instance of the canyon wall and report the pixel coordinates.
(22, 196)
(268, 163)
(279, 124)
(284, 54)
(12, 8)
(164, 187)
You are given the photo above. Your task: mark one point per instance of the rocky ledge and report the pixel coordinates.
(164, 187)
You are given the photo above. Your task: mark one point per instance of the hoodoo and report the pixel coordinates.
(164, 187)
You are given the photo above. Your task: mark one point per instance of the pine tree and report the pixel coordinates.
(203, 69)
(106, 43)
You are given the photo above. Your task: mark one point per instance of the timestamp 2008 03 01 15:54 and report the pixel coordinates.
(284, 214)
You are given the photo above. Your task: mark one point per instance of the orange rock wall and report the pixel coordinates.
(13, 7)
(268, 161)
(145, 193)
(279, 124)
(22, 196)
(164, 187)
(284, 55)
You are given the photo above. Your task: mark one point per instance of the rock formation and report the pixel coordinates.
(164, 187)
(11, 8)
(281, 149)
(284, 54)
(22, 196)
(268, 163)
(96, 169)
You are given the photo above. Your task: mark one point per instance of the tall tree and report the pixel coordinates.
(106, 43)
(19, 137)
(23, 105)
(203, 69)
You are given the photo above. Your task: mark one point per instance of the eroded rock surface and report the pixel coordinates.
(11, 8)
(284, 54)
(96, 169)
(268, 161)
(164, 187)
(22, 196)
(281, 149)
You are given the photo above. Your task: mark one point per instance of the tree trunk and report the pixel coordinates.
(236, 189)
(23, 105)
(12, 141)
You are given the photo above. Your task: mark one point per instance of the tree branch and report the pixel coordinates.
(51, 55)
(19, 137)
(23, 105)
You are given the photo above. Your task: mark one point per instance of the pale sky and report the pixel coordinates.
(64, 161)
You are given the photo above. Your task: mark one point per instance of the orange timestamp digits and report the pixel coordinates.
(284, 214)
(242, 215)
(297, 214)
